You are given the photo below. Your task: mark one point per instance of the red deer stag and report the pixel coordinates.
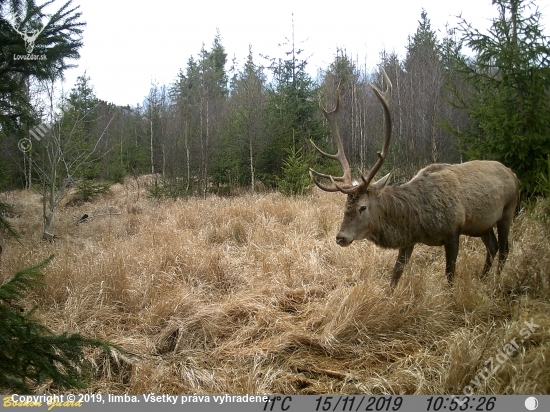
(442, 202)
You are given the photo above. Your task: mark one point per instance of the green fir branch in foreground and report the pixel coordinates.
(30, 353)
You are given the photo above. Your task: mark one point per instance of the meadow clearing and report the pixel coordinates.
(251, 294)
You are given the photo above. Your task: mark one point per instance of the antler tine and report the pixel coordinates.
(336, 156)
(37, 33)
(385, 98)
(335, 110)
(335, 186)
(340, 156)
(17, 29)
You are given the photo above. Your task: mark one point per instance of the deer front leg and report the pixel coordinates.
(490, 241)
(402, 259)
(451, 253)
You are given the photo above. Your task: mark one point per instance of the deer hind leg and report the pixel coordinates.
(503, 228)
(490, 241)
(402, 259)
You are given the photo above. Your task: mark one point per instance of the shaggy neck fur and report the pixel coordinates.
(394, 221)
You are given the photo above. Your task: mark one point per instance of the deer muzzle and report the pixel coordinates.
(343, 240)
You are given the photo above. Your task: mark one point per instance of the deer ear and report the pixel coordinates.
(381, 184)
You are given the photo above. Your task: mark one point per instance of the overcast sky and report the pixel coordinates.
(130, 44)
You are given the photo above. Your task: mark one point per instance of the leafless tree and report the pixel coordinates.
(60, 156)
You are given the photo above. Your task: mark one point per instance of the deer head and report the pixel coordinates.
(364, 195)
(29, 40)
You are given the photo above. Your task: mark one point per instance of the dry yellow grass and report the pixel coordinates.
(251, 294)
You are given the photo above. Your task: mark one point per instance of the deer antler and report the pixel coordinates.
(332, 118)
(16, 29)
(384, 98)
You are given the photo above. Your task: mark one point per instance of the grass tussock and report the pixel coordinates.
(251, 294)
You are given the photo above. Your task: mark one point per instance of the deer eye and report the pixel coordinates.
(362, 209)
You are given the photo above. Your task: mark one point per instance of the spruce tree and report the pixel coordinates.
(292, 114)
(243, 137)
(30, 353)
(509, 83)
(58, 39)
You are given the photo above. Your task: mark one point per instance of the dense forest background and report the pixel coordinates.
(224, 129)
